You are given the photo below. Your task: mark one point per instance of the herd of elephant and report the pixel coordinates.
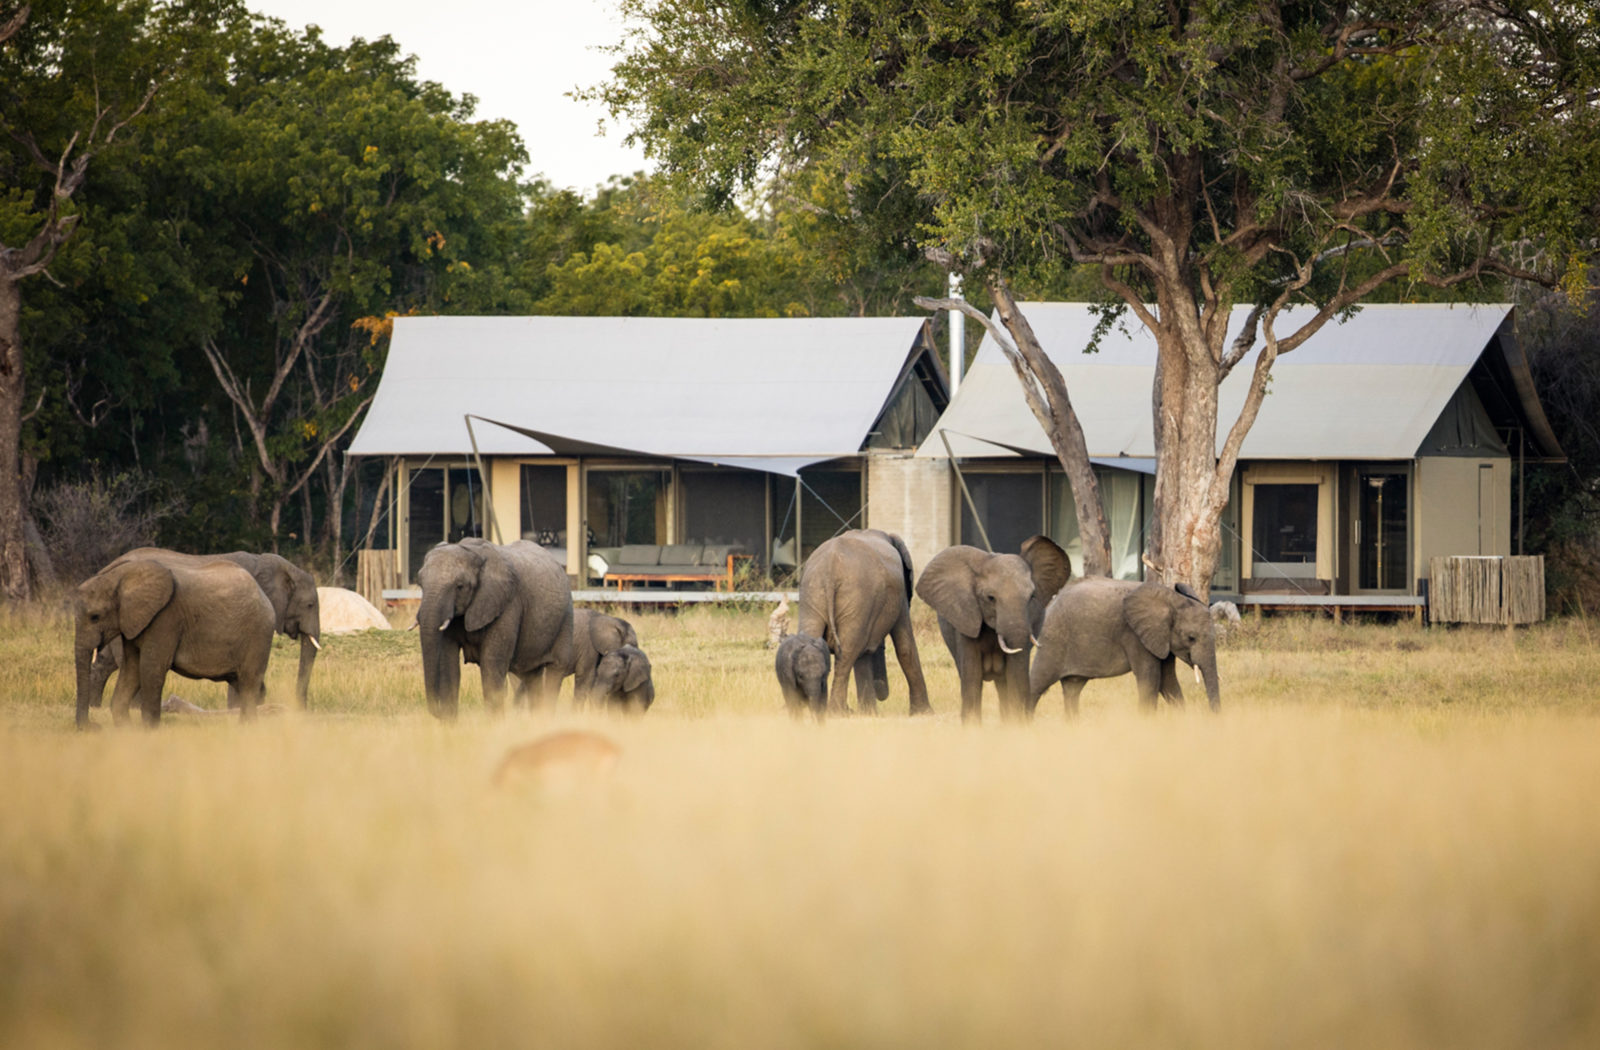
(1017, 620)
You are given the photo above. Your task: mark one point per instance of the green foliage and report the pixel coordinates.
(1225, 142)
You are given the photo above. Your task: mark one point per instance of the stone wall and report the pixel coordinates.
(912, 498)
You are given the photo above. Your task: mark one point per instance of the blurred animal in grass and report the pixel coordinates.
(507, 609)
(202, 619)
(623, 679)
(593, 635)
(562, 759)
(855, 594)
(802, 665)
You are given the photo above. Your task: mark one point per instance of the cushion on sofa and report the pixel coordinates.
(680, 553)
(645, 554)
(715, 555)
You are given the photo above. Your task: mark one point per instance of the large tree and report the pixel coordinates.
(74, 77)
(1200, 155)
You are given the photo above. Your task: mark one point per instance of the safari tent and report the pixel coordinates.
(1389, 438)
(682, 439)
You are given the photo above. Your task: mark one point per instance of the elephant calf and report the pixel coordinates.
(623, 678)
(803, 664)
(593, 635)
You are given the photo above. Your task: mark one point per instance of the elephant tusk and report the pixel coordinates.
(444, 625)
(1007, 649)
(94, 655)
(314, 643)
(1034, 640)
(1197, 677)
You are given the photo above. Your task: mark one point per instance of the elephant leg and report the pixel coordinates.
(152, 683)
(1147, 674)
(127, 686)
(839, 690)
(880, 673)
(105, 663)
(1070, 688)
(1012, 685)
(866, 687)
(1170, 689)
(969, 666)
(905, 650)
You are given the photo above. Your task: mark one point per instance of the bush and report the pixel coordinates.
(86, 524)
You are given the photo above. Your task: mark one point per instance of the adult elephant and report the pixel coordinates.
(595, 634)
(507, 609)
(206, 620)
(1099, 628)
(855, 592)
(296, 612)
(990, 607)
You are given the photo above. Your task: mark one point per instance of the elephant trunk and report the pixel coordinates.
(83, 658)
(310, 644)
(1206, 663)
(1013, 632)
(431, 618)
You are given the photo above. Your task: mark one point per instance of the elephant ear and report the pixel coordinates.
(496, 584)
(638, 672)
(143, 590)
(1148, 611)
(629, 637)
(1051, 569)
(949, 584)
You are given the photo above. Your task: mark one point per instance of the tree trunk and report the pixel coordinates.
(1061, 426)
(15, 582)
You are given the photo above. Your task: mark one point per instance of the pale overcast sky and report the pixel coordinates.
(519, 59)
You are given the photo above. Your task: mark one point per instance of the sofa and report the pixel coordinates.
(664, 563)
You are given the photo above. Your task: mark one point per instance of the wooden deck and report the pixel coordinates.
(1336, 604)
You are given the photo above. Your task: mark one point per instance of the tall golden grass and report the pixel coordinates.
(1390, 837)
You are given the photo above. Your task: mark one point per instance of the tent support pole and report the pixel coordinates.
(961, 479)
(488, 487)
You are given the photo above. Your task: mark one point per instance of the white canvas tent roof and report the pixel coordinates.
(770, 394)
(1367, 388)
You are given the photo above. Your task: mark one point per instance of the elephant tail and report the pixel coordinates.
(905, 562)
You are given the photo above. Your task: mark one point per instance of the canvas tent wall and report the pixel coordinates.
(1366, 406)
(667, 425)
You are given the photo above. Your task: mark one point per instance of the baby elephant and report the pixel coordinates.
(623, 678)
(803, 668)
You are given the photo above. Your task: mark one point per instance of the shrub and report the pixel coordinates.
(87, 523)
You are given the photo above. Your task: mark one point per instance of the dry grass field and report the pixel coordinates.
(1390, 837)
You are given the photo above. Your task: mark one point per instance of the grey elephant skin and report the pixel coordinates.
(206, 621)
(802, 665)
(990, 607)
(507, 609)
(623, 679)
(1099, 628)
(855, 592)
(593, 635)
(296, 612)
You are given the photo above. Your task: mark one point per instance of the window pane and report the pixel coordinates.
(785, 517)
(627, 506)
(424, 515)
(1126, 497)
(544, 505)
(1011, 507)
(725, 507)
(830, 503)
(1285, 530)
(466, 504)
